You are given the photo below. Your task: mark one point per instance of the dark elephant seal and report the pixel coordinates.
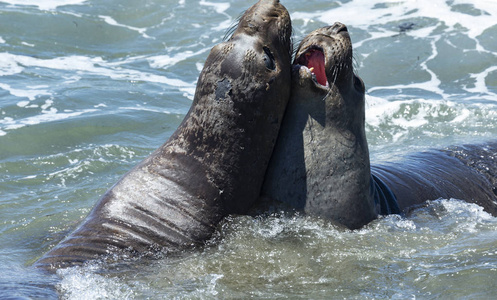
(321, 160)
(214, 163)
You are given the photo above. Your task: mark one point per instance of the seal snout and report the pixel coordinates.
(338, 27)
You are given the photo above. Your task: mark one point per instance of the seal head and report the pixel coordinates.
(324, 68)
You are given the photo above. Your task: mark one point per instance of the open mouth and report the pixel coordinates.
(313, 59)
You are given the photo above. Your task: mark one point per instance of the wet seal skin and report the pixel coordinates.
(214, 163)
(321, 160)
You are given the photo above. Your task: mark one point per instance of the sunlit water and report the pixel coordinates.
(90, 88)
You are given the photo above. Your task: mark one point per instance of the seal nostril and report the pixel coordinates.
(338, 27)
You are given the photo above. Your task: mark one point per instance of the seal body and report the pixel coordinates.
(214, 163)
(321, 161)
(466, 172)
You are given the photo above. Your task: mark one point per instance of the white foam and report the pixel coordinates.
(220, 8)
(154, 110)
(223, 26)
(69, 63)
(462, 115)
(162, 61)
(90, 65)
(71, 79)
(394, 11)
(2, 41)
(44, 4)
(8, 66)
(380, 112)
(431, 86)
(470, 211)
(199, 66)
(109, 20)
(23, 103)
(85, 283)
(189, 92)
(460, 216)
(377, 108)
(83, 66)
(50, 115)
(28, 44)
(480, 85)
(29, 92)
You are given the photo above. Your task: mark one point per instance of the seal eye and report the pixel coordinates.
(359, 84)
(269, 59)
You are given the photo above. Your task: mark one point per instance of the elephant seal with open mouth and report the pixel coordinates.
(321, 160)
(214, 163)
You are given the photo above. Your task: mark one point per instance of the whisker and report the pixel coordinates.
(335, 72)
(294, 46)
(292, 49)
(328, 94)
(283, 40)
(355, 64)
(232, 28)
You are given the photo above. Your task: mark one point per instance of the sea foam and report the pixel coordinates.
(45, 4)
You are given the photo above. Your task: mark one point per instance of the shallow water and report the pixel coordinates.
(90, 88)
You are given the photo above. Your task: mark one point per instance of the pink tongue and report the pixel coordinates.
(315, 59)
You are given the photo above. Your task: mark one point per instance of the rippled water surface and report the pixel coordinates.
(90, 88)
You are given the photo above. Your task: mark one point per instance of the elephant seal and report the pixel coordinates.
(321, 160)
(213, 164)
(467, 172)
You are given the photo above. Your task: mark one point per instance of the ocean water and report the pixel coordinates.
(90, 88)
